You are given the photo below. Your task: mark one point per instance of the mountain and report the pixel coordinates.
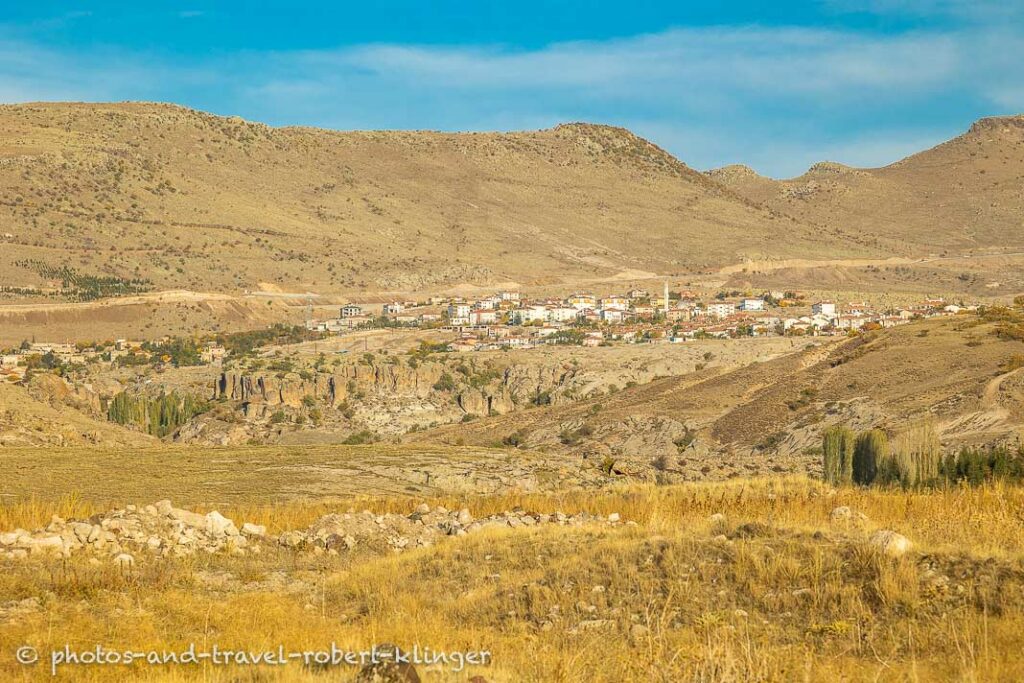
(181, 199)
(965, 194)
(129, 197)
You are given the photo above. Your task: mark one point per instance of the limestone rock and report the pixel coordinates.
(890, 543)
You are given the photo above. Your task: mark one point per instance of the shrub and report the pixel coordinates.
(445, 383)
(515, 439)
(359, 438)
(837, 454)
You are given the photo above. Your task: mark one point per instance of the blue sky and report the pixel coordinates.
(775, 85)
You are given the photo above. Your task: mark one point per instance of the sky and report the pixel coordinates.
(775, 85)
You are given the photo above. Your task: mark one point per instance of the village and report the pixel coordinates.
(508, 320)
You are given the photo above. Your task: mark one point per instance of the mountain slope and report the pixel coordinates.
(187, 200)
(965, 194)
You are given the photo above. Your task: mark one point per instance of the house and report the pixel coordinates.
(643, 311)
(851, 322)
(483, 316)
(509, 296)
(638, 294)
(612, 315)
(393, 308)
(463, 344)
(615, 302)
(9, 361)
(458, 313)
(562, 314)
(825, 308)
(489, 303)
(752, 304)
(529, 314)
(720, 309)
(581, 301)
(350, 311)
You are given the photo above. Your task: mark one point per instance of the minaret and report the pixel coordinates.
(666, 297)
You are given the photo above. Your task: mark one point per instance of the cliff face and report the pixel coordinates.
(512, 387)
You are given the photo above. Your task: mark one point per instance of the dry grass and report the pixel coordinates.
(790, 597)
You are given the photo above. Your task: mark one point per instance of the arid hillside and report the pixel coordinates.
(102, 199)
(962, 373)
(165, 197)
(965, 194)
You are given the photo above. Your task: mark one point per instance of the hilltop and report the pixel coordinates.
(962, 195)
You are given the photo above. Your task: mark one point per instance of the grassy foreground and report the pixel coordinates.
(785, 595)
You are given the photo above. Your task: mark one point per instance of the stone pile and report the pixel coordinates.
(158, 529)
(161, 530)
(339, 532)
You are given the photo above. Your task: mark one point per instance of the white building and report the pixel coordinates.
(562, 314)
(825, 308)
(393, 308)
(350, 311)
(529, 314)
(615, 302)
(612, 315)
(752, 305)
(582, 301)
(458, 313)
(509, 296)
(721, 309)
(483, 316)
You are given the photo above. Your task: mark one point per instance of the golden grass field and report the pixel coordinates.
(787, 595)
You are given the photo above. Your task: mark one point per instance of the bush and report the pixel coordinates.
(359, 438)
(838, 446)
(445, 383)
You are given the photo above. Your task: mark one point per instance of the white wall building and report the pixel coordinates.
(825, 308)
(752, 305)
(721, 309)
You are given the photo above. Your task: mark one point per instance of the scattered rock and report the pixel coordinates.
(846, 515)
(890, 543)
(257, 530)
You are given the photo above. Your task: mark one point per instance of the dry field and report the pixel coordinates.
(775, 591)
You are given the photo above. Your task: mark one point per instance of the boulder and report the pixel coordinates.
(256, 530)
(217, 524)
(192, 519)
(890, 543)
(124, 561)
